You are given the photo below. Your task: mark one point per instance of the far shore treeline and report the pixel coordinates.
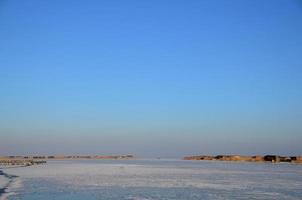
(17, 160)
(58, 157)
(257, 158)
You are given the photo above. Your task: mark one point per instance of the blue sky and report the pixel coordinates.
(151, 78)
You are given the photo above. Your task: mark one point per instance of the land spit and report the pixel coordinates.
(33, 160)
(21, 162)
(257, 158)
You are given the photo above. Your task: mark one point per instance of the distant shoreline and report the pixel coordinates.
(242, 158)
(69, 157)
(33, 160)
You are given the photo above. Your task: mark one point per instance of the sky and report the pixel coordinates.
(151, 78)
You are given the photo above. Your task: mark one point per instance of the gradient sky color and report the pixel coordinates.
(151, 78)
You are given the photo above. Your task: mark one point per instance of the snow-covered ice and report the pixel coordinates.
(158, 179)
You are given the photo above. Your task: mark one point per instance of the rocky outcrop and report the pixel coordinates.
(257, 158)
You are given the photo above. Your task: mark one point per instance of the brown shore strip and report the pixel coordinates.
(33, 160)
(21, 162)
(257, 158)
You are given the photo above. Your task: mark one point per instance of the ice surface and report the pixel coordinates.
(165, 179)
(8, 184)
(3, 181)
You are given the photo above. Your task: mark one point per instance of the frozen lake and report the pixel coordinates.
(154, 179)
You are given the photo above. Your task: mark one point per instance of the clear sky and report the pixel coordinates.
(151, 78)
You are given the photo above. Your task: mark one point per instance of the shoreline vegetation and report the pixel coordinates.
(21, 162)
(36, 160)
(257, 158)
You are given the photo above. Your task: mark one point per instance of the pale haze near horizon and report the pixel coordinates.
(165, 79)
